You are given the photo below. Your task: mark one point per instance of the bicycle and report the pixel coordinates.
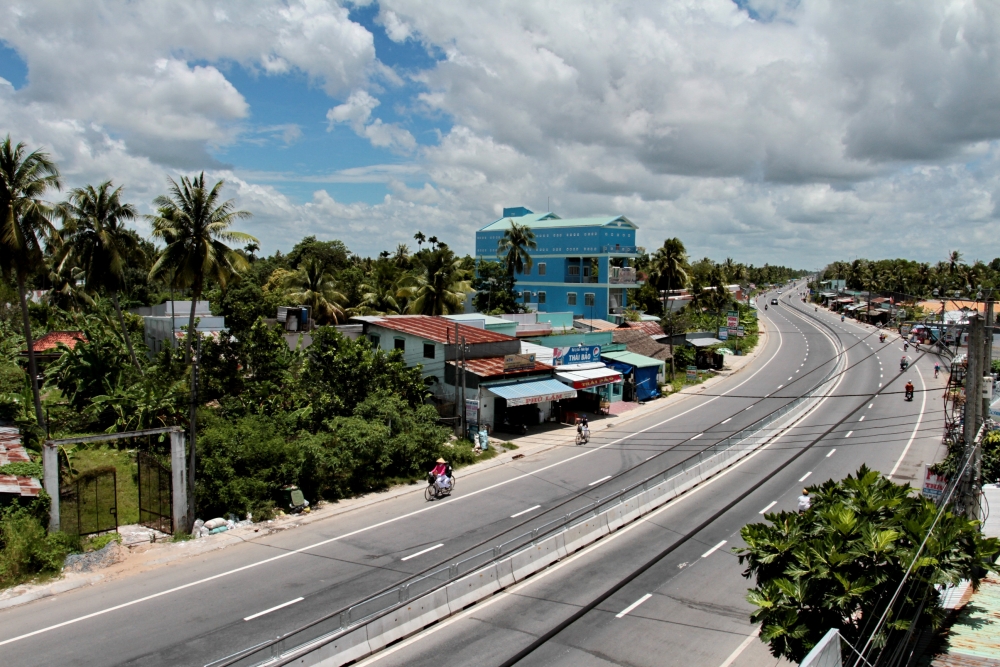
(583, 437)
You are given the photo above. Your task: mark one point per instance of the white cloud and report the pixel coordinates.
(357, 112)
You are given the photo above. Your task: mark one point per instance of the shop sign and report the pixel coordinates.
(692, 374)
(532, 400)
(471, 410)
(740, 332)
(593, 382)
(732, 319)
(579, 354)
(934, 484)
(518, 362)
(723, 333)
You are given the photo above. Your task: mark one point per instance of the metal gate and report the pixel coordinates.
(155, 494)
(88, 504)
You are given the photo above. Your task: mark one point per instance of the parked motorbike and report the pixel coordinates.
(512, 427)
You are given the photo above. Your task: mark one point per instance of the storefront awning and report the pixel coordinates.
(595, 377)
(529, 393)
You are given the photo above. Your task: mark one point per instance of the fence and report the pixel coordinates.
(89, 502)
(155, 497)
(367, 626)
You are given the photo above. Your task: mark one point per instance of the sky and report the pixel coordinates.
(794, 132)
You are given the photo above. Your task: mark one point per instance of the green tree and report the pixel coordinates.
(838, 564)
(24, 226)
(194, 222)
(669, 265)
(438, 285)
(97, 241)
(514, 246)
(494, 287)
(312, 285)
(331, 255)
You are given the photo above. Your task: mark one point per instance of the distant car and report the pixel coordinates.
(774, 302)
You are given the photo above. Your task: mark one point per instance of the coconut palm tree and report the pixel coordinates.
(379, 299)
(98, 242)
(314, 286)
(420, 239)
(401, 257)
(670, 269)
(954, 261)
(513, 248)
(438, 286)
(194, 222)
(24, 227)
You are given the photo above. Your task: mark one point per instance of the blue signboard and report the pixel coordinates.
(581, 354)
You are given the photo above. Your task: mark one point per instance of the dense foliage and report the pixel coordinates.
(838, 564)
(909, 279)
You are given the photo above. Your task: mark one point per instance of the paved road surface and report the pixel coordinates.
(195, 612)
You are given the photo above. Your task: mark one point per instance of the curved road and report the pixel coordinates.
(202, 610)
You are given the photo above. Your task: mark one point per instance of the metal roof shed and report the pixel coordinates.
(644, 370)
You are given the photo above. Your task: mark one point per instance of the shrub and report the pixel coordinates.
(26, 548)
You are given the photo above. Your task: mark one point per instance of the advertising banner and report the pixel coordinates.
(732, 319)
(580, 354)
(934, 484)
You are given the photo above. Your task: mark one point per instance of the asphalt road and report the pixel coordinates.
(689, 609)
(195, 612)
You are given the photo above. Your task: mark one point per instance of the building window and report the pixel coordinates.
(571, 299)
(573, 271)
(527, 296)
(541, 269)
(588, 298)
(428, 350)
(399, 344)
(375, 339)
(616, 388)
(541, 297)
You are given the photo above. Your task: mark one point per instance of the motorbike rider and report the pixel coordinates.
(937, 369)
(441, 475)
(906, 346)
(805, 502)
(765, 306)
(903, 363)
(908, 390)
(583, 428)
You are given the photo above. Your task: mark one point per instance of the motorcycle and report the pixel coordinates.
(765, 306)
(434, 492)
(906, 346)
(516, 428)
(903, 364)
(908, 395)
(881, 338)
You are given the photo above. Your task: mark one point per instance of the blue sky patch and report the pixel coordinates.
(12, 67)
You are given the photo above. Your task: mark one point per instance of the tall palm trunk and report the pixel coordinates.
(128, 338)
(32, 365)
(193, 414)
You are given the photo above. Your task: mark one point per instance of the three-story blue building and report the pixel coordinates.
(581, 265)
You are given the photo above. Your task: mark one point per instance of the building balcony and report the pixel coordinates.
(625, 249)
(581, 279)
(622, 275)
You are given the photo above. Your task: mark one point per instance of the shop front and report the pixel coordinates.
(598, 387)
(508, 406)
(642, 374)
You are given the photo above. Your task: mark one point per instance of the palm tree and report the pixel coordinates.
(513, 248)
(315, 287)
(438, 286)
(251, 249)
(419, 238)
(401, 257)
(24, 226)
(670, 265)
(194, 222)
(379, 299)
(434, 242)
(98, 241)
(954, 261)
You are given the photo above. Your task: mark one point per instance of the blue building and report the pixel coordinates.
(581, 265)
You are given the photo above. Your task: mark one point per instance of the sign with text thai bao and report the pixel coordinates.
(518, 362)
(934, 484)
(579, 354)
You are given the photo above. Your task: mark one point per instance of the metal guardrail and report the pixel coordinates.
(329, 627)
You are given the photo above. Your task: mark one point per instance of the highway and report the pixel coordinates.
(199, 611)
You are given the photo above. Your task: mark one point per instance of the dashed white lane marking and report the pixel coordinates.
(803, 478)
(268, 611)
(789, 378)
(870, 405)
(849, 434)
(769, 506)
(633, 605)
(780, 386)
(728, 420)
(598, 481)
(831, 452)
(862, 418)
(532, 509)
(697, 436)
(421, 553)
(713, 549)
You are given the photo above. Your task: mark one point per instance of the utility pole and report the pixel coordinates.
(973, 415)
(465, 417)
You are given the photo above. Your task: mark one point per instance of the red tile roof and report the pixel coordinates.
(651, 328)
(51, 340)
(493, 367)
(11, 451)
(438, 329)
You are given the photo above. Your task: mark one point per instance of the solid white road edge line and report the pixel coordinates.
(769, 506)
(598, 481)
(268, 611)
(530, 509)
(479, 606)
(713, 549)
(916, 427)
(632, 606)
(742, 647)
(421, 553)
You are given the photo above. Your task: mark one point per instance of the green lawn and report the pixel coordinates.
(126, 474)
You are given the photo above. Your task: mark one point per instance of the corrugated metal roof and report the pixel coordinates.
(438, 329)
(651, 328)
(524, 392)
(12, 451)
(973, 638)
(632, 359)
(493, 367)
(594, 325)
(552, 221)
(705, 342)
(51, 340)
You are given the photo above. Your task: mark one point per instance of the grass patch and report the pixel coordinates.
(22, 469)
(98, 542)
(126, 477)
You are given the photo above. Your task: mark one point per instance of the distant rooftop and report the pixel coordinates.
(50, 341)
(438, 329)
(523, 216)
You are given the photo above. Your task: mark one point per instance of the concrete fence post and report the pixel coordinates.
(50, 467)
(178, 474)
